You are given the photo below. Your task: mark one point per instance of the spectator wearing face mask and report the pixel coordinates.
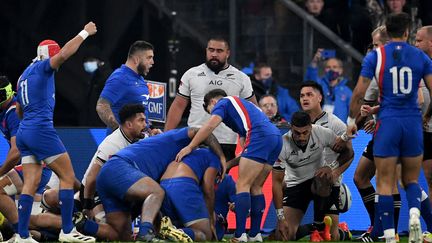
(264, 84)
(99, 72)
(337, 94)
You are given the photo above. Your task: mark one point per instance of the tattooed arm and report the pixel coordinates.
(103, 108)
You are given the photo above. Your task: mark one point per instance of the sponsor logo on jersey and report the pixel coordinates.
(215, 82)
(201, 74)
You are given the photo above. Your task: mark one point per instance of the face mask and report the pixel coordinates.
(332, 75)
(268, 82)
(90, 67)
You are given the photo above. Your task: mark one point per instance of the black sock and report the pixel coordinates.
(368, 197)
(343, 236)
(304, 230)
(396, 205)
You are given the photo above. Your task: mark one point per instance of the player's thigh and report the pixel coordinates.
(248, 171)
(257, 185)
(411, 169)
(62, 166)
(141, 189)
(120, 222)
(364, 172)
(11, 183)
(386, 174)
(294, 217)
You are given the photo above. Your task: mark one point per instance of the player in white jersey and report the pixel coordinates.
(311, 99)
(216, 72)
(302, 168)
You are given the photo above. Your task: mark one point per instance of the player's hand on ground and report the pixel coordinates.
(369, 126)
(90, 28)
(185, 151)
(282, 227)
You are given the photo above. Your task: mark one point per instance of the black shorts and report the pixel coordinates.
(229, 151)
(330, 204)
(300, 196)
(427, 146)
(368, 151)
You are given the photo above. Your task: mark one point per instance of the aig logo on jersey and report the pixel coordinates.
(216, 82)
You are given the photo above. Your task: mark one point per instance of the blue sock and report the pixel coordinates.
(25, 204)
(190, 232)
(91, 227)
(386, 211)
(425, 211)
(15, 227)
(257, 210)
(377, 230)
(413, 194)
(242, 207)
(144, 228)
(66, 207)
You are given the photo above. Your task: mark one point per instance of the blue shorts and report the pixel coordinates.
(398, 137)
(263, 148)
(42, 143)
(184, 200)
(46, 175)
(114, 180)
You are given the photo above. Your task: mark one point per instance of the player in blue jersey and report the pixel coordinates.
(225, 192)
(130, 177)
(126, 85)
(398, 69)
(11, 176)
(190, 194)
(262, 144)
(37, 139)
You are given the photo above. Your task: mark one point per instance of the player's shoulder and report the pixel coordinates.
(336, 124)
(320, 131)
(196, 71)
(115, 139)
(235, 73)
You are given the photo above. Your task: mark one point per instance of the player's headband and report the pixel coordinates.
(6, 93)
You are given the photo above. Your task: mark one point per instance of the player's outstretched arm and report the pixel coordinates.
(72, 46)
(175, 112)
(12, 158)
(103, 108)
